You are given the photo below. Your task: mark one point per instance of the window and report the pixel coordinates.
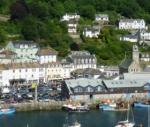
(19, 70)
(13, 71)
(34, 69)
(40, 69)
(26, 70)
(89, 89)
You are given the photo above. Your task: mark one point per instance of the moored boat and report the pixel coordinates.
(126, 123)
(141, 105)
(111, 107)
(7, 111)
(76, 108)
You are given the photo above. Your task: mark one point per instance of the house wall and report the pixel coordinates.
(48, 58)
(106, 96)
(134, 24)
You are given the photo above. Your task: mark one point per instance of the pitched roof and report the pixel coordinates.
(46, 51)
(125, 63)
(8, 52)
(123, 83)
(88, 71)
(23, 42)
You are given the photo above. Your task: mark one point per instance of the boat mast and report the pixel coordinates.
(148, 116)
(128, 111)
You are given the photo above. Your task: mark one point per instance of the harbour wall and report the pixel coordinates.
(57, 105)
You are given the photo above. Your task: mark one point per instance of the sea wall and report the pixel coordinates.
(57, 105)
(36, 106)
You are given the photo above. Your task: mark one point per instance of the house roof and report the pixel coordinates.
(123, 83)
(7, 54)
(23, 42)
(46, 51)
(125, 63)
(131, 20)
(87, 71)
(83, 82)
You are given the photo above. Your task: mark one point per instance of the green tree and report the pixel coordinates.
(19, 10)
(30, 29)
(87, 11)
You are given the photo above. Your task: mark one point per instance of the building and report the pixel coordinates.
(131, 65)
(91, 32)
(72, 26)
(145, 56)
(82, 59)
(130, 38)
(137, 76)
(7, 56)
(102, 17)
(132, 24)
(86, 89)
(144, 37)
(46, 55)
(25, 50)
(86, 73)
(70, 16)
(19, 73)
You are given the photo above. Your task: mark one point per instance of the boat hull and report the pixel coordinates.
(7, 111)
(140, 105)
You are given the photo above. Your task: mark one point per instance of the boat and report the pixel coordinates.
(141, 105)
(7, 111)
(111, 107)
(76, 108)
(126, 123)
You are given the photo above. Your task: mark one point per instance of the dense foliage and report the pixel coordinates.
(39, 20)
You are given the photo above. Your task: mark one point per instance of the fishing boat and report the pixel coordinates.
(141, 105)
(7, 111)
(111, 107)
(126, 123)
(76, 108)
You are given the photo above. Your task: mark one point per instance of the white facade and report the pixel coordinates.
(102, 17)
(25, 50)
(72, 26)
(47, 59)
(68, 17)
(91, 33)
(144, 37)
(132, 24)
(129, 38)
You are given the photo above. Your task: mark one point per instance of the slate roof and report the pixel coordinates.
(123, 83)
(46, 51)
(23, 42)
(125, 63)
(87, 71)
(8, 52)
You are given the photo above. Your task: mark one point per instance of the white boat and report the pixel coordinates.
(75, 124)
(126, 123)
(76, 108)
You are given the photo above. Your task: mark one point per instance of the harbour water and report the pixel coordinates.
(93, 118)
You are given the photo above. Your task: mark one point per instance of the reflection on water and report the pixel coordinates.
(58, 119)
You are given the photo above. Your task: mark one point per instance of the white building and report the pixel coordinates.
(72, 26)
(132, 24)
(25, 50)
(16, 73)
(7, 56)
(46, 55)
(82, 59)
(102, 17)
(70, 16)
(144, 37)
(130, 38)
(91, 32)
